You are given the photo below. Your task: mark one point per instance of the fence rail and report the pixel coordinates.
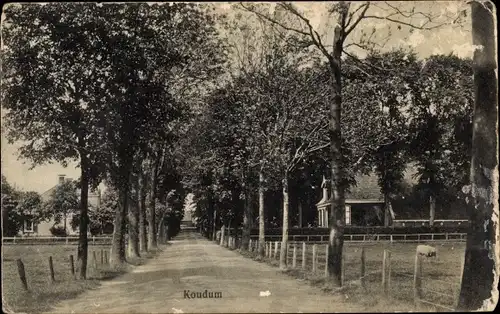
(393, 273)
(418, 237)
(100, 240)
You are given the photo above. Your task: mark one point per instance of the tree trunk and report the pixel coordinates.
(432, 210)
(65, 218)
(143, 240)
(161, 230)
(262, 234)
(247, 221)
(336, 219)
(214, 228)
(117, 255)
(480, 274)
(133, 220)
(222, 235)
(300, 213)
(284, 235)
(228, 232)
(387, 211)
(84, 218)
(152, 205)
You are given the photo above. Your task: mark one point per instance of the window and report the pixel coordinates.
(28, 225)
(348, 214)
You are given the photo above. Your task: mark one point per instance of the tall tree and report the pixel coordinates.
(51, 78)
(348, 17)
(443, 98)
(139, 87)
(256, 47)
(480, 274)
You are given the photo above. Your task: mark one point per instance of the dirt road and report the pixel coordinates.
(196, 275)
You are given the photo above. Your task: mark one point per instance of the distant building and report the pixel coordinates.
(364, 203)
(189, 209)
(43, 228)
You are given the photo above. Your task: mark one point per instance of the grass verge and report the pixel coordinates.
(42, 293)
(440, 276)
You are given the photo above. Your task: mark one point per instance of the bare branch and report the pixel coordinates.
(267, 18)
(421, 27)
(312, 32)
(365, 63)
(360, 17)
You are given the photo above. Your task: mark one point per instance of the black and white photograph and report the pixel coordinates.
(249, 157)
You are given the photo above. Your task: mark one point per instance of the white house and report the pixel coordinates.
(43, 228)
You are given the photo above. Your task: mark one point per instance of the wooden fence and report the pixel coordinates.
(70, 240)
(53, 270)
(429, 281)
(418, 237)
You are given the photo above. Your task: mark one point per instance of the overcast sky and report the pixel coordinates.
(425, 43)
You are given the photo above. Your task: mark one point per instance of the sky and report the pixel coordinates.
(445, 40)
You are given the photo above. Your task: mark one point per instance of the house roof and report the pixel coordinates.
(48, 194)
(366, 190)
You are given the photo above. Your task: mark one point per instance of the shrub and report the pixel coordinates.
(58, 231)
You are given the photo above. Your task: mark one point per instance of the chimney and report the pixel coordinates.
(61, 178)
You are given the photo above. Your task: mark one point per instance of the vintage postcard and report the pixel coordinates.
(236, 157)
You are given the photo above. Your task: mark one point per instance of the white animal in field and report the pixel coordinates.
(426, 250)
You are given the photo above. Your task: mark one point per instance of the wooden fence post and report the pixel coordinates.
(342, 270)
(22, 273)
(314, 258)
(51, 268)
(72, 265)
(326, 261)
(363, 267)
(417, 279)
(106, 257)
(304, 255)
(461, 274)
(386, 272)
(94, 259)
(102, 256)
(294, 260)
(276, 249)
(384, 266)
(250, 245)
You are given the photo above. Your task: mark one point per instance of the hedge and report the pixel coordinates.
(362, 230)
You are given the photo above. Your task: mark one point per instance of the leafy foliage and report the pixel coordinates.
(63, 201)
(100, 218)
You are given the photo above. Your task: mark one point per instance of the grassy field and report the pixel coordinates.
(440, 276)
(42, 293)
